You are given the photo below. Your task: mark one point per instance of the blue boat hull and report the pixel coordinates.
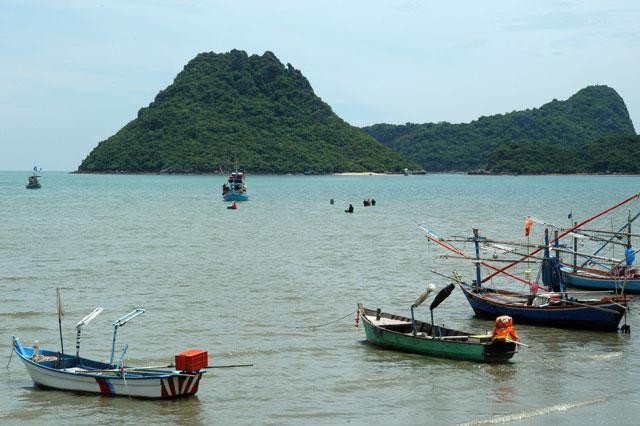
(576, 279)
(604, 316)
(236, 196)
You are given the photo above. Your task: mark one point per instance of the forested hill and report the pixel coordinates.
(228, 107)
(591, 113)
(609, 154)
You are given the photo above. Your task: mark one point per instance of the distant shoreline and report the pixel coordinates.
(356, 174)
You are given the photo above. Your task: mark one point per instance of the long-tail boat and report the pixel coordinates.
(410, 335)
(554, 306)
(612, 274)
(57, 370)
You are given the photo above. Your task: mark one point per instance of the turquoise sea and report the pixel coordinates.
(276, 283)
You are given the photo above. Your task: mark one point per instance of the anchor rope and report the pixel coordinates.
(327, 323)
(10, 358)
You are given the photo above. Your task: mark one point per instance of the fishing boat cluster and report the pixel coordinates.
(588, 293)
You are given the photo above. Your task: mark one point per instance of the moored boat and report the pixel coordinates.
(50, 369)
(235, 189)
(617, 275)
(597, 279)
(550, 309)
(57, 370)
(34, 182)
(409, 335)
(395, 332)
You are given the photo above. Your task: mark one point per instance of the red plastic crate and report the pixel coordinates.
(192, 360)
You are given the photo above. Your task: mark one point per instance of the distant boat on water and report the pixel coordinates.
(34, 182)
(235, 189)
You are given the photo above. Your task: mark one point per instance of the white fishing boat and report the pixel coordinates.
(52, 369)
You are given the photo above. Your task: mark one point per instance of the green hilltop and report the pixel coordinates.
(505, 142)
(230, 107)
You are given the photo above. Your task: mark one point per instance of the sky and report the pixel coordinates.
(72, 73)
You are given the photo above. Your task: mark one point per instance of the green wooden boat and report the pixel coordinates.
(396, 332)
(409, 335)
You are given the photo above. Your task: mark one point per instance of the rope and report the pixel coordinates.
(327, 323)
(124, 378)
(10, 358)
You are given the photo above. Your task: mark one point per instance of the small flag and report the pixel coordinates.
(570, 215)
(527, 226)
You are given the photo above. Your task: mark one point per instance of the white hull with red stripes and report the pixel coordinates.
(49, 369)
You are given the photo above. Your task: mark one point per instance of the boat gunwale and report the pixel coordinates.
(128, 375)
(595, 274)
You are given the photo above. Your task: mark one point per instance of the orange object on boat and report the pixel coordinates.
(527, 226)
(192, 360)
(504, 329)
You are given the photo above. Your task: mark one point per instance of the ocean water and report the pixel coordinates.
(276, 283)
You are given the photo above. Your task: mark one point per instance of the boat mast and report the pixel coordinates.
(556, 266)
(575, 251)
(477, 262)
(629, 229)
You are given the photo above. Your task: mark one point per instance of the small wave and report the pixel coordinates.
(31, 328)
(25, 314)
(535, 413)
(606, 356)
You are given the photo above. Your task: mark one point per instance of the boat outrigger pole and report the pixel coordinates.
(119, 323)
(419, 301)
(83, 321)
(431, 236)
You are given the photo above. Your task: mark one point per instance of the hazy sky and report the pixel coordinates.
(74, 72)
